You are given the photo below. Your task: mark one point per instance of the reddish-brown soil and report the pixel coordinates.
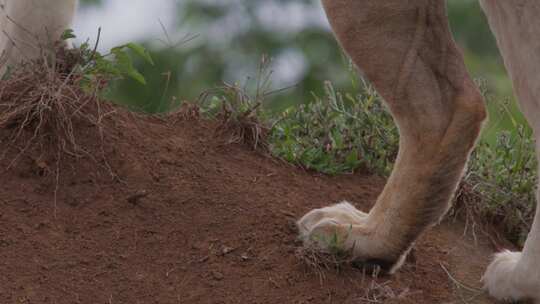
(188, 218)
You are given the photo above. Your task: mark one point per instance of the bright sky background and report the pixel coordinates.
(121, 23)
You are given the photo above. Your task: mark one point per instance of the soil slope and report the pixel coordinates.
(168, 212)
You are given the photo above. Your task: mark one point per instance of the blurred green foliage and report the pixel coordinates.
(229, 38)
(184, 70)
(90, 2)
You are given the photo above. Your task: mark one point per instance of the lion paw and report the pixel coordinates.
(331, 227)
(505, 281)
(342, 228)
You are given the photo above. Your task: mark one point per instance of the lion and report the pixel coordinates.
(406, 50)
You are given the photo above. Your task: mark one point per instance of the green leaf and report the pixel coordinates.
(141, 52)
(125, 65)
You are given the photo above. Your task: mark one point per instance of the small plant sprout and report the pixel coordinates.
(98, 69)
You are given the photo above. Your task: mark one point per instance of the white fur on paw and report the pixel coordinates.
(343, 228)
(328, 217)
(502, 281)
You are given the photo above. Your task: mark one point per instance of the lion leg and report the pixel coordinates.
(405, 48)
(515, 275)
(30, 26)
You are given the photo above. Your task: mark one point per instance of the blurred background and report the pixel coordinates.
(199, 44)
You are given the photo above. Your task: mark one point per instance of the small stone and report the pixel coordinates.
(136, 197)
(218, 276)
(226, 250)
(197, 246)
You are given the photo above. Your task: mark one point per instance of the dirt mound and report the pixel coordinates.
(165, 211)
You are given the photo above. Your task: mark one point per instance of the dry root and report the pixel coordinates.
(239, 115)
(42, 104)
(245, 128)
(47, 117)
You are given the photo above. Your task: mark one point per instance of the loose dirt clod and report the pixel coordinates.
(218, 276)
(135, 198)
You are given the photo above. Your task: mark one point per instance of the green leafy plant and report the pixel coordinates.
(241, 112)
(338, 133)
(501, 178)
(99, 69)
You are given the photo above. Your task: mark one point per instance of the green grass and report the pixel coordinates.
(502, 177)
(337, 133)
